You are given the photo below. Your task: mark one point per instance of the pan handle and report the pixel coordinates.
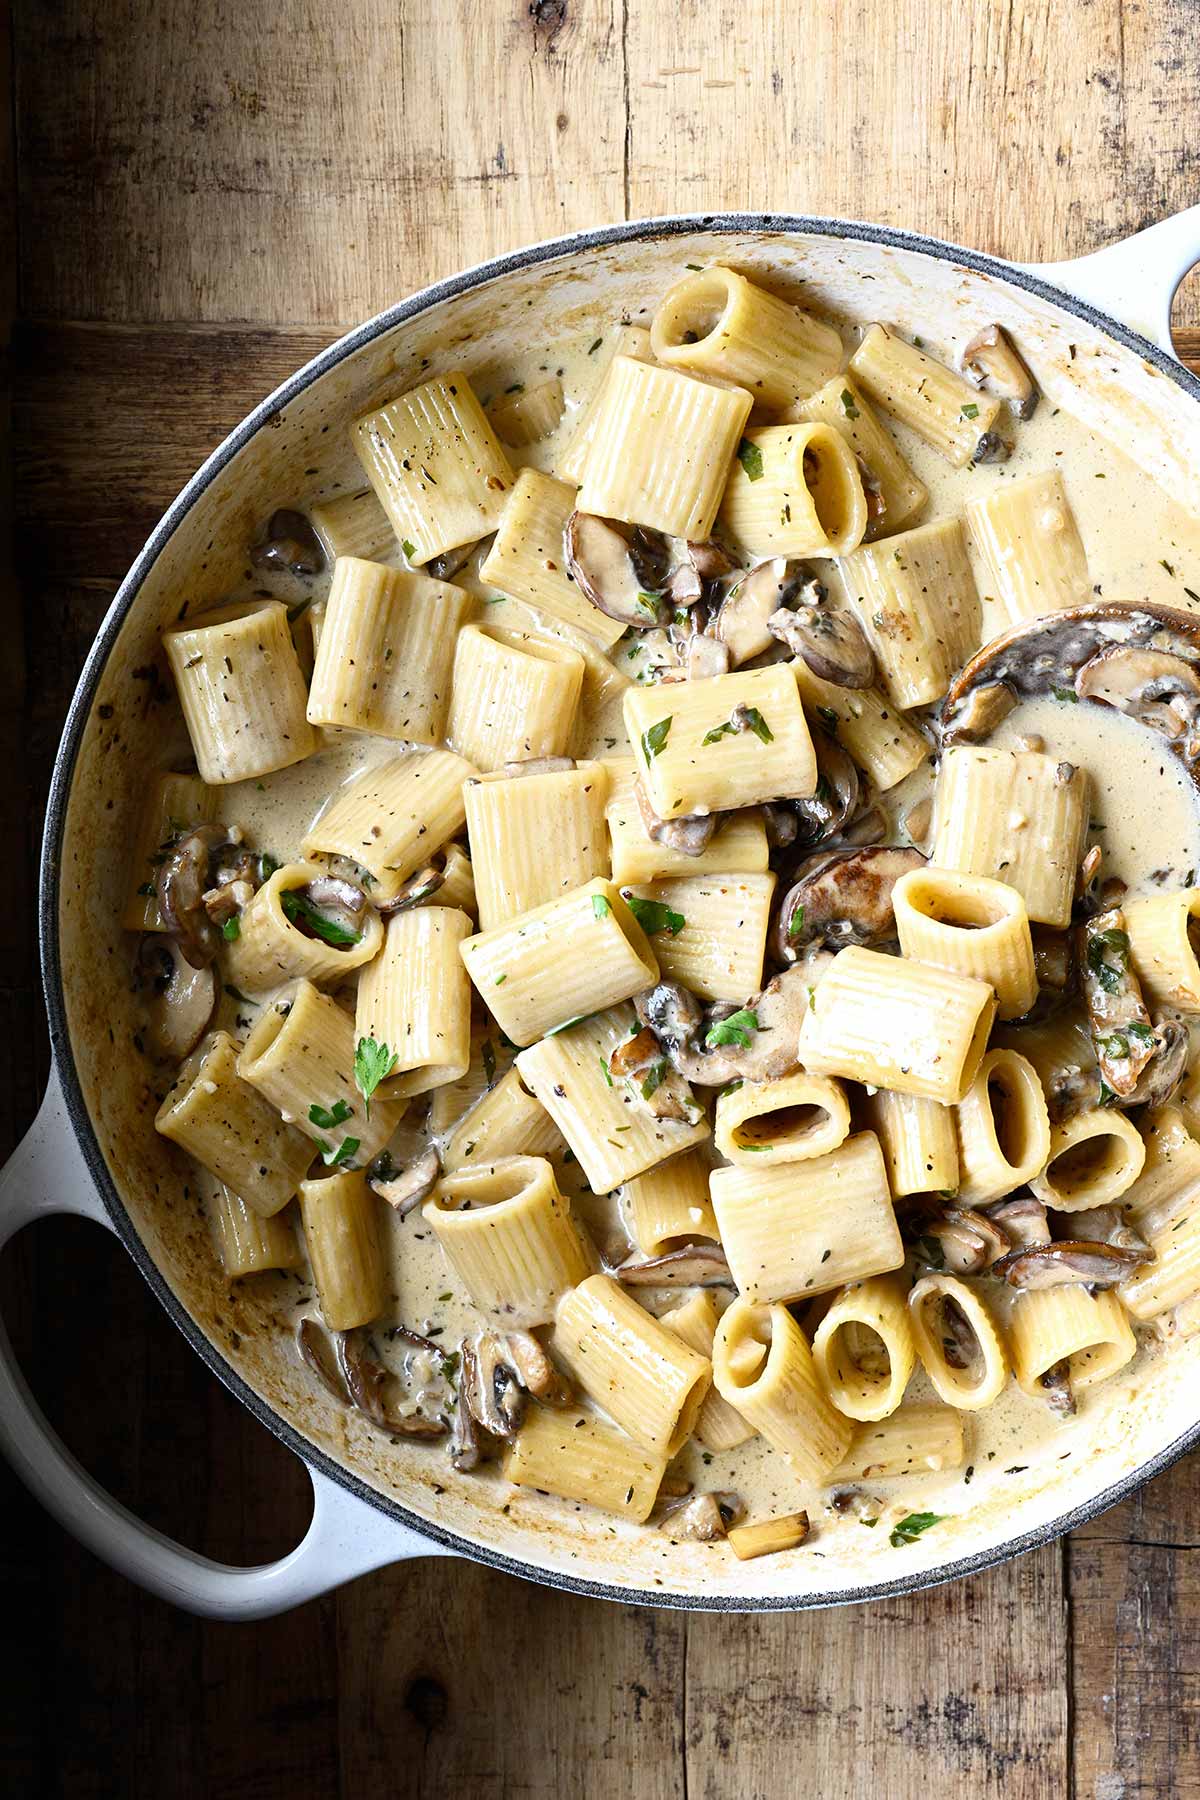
(1133, 280)
(347, 1537)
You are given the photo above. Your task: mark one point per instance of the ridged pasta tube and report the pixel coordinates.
(578, 1457)
(738, 845)
(535, 837)
(1049, 1326)
(416, 998)
(1095, 1157)
(529, 415)
(622, 340)
(718, 1425)
(953, 417)
(863, 1349)
(505, 1121)
(1016, 816)
(354, 525)
(248, 1243)
(176, 804)
(1162, 949)
(271, 947)
(792, 1119)
(918, 1140)
(527, 559)
(958, 1342)
(795, 490)
(344, 1236)
(894, 495)
(763, 1367)
(971, 924)
(226, 1125)
(515, 696)
(241, 690)
(916, 1440)
(510, 1237)
(669, 1205)
(392, 818)
(866, 723)
(718, 950)
(915, 599)
(1003, 1129)
(715, 322)
(1026, 534)
(645, 1377)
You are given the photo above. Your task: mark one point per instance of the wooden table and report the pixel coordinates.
(206, 194)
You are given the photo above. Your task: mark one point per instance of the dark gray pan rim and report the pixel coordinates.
(49, 891)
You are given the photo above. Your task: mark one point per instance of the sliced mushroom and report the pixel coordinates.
(290, 544)
(416, 890)
(918, 820)
(464, 1435)
(1108, 1225)
(1167, 1065)
(692, 1265)
(690, 835)
(1056, 1386)
(770, 1046)
(318, 1354)
(699, 1519)
(964, 1242)
(992, 360)
(741, 620)
(1071, 1260)
(981, 711)
(616, 569)
(781, 824)
(182, 998)
(491, 1386)
(829, 639)
(1155, 686)
(1121, 1029)
(538, 1374)
(340, 902)
(182, 879)
(824, 812)
(642, 1061)
(991, 448)
(404, 1189)
(870, 827)
(1023, 1221)
(373, 1388)
(451, 561)
(1053, 958)
(843, 897)
(704, 656)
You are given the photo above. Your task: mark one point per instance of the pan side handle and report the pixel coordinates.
(1133, 280)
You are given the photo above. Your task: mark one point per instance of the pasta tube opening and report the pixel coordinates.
(1094, 1158)
(796, 491)
(1003, 1129)
(509, 1235)
(973, 925)
(958, 1342)
(763, 1367)
(863, 1348)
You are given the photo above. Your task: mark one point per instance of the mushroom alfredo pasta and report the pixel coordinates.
(679, 936)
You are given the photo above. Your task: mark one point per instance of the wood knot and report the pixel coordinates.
(428, 1702)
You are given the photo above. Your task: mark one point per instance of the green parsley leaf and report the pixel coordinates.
(648, 604)
(409, 549)
(1107, 1096)
(696, 266)
(1106, 945)
(795, 924)
(655, 738)
(655, 915)
(302, 912)
(655, 1076)
(829, 719)
(728, 729)
(373, 1063)
(750, 457)
(970, 410)
(328, 1117)
(758, 725)
(606, 1069)
(231, 929)
(735, 1029)
(266, 866)
(911, 1526)
(1068, 696)
(600, 906)
(500, 981)
(344, 1153)
(848, 406)
(1142, 1033)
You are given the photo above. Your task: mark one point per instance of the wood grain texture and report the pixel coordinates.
(288, 167)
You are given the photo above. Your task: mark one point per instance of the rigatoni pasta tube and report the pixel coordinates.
(272, 945)
(300, 1057)
(353, 525)
(971, 924)
(344, 1236)
(248, 1243)
(1172, 1275)
(1162, 945)
(535, 837)
(916, 1440)
(528, 415)
(176, 804)
(863, 1349)
(866, 723)
(1095, 1157)
(415, 998)
(1170, 1176)
(951, 415)
(802, 1228)
(491, 1057)
(458, 882)
(918, 1140)
(505, 1121)
(515, 696)
(718, 323)
(894, 494)
(645, 1377)
(386, 651)
(958, 1342)
(738, 845)
(621, 340)
(611, 1132)
(1016, 816)
(1067, 1324)
(219, 1119)
(763, 1367)
(573, 956)
(669, 1205)
(795, 490)
(792, 1119)
(723, 742)
(661, 449)
(392, 818)
(1026, 534)
(241, 690)
(897, 1024)
(915, 599)
(717, 952)
(528, 562)
(1003, 1129)
(436, 465)
(718, 1425)
(578, 1457)
(510, 1237)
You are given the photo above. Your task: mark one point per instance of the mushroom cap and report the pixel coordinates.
(183, 997)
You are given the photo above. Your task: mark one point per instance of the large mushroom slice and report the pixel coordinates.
(828, 638)
(692, 1265)
(621, 569)
(842, 897)
(758, 1042)
(993, 361)
(181, 998)
(828, 809)
(742, 618)
(1144, 660)
(1071, 1260)
(1121, 1028)
(690, 835)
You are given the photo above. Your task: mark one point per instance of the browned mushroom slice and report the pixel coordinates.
(963, 1242)
(870, 827)
(181, 882)
(710, 559)
(1108, 1225)
(827, 809)
(317, 1352)
(829, 639)
(613, 566)
(418, 888)
(538, 1374)
(464, 1435)
(692, 1265)
(404, 1189)
(290, 544)
(690, 835)
(741, 620)
(373, 1390)
(843, 897)
(981, 711)
(1167, 1065)
(1053, 958)
(1155, 686)
(700, 1518)
(642, 1061)
(758, 1043)
(181, 998)
(489, 1387)
(451, 561)
(1071, 1260)
(780, 822)
(1055, 1384)
(1023, 1221)
(1121, 1029)
(993, 360)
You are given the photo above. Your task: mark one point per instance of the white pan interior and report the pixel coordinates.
(1124, 1425)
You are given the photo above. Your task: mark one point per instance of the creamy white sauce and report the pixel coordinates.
(1139, 547)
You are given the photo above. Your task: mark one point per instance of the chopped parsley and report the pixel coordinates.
(750, 457)
(795, 924)
(654, 740)
(301, 911)
(328, 1117)
(910, 1528)
(372, 1064)
(655, 915)
(743, 718)
(600, 906)
(655, 1076)
(1067, 695)
(848, 406)
(970, 410)
(345, 1152)
(231, 929)
(735, 1029)
(829, 719)
(409, 548)
(607, 1070)
(1108, 974)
